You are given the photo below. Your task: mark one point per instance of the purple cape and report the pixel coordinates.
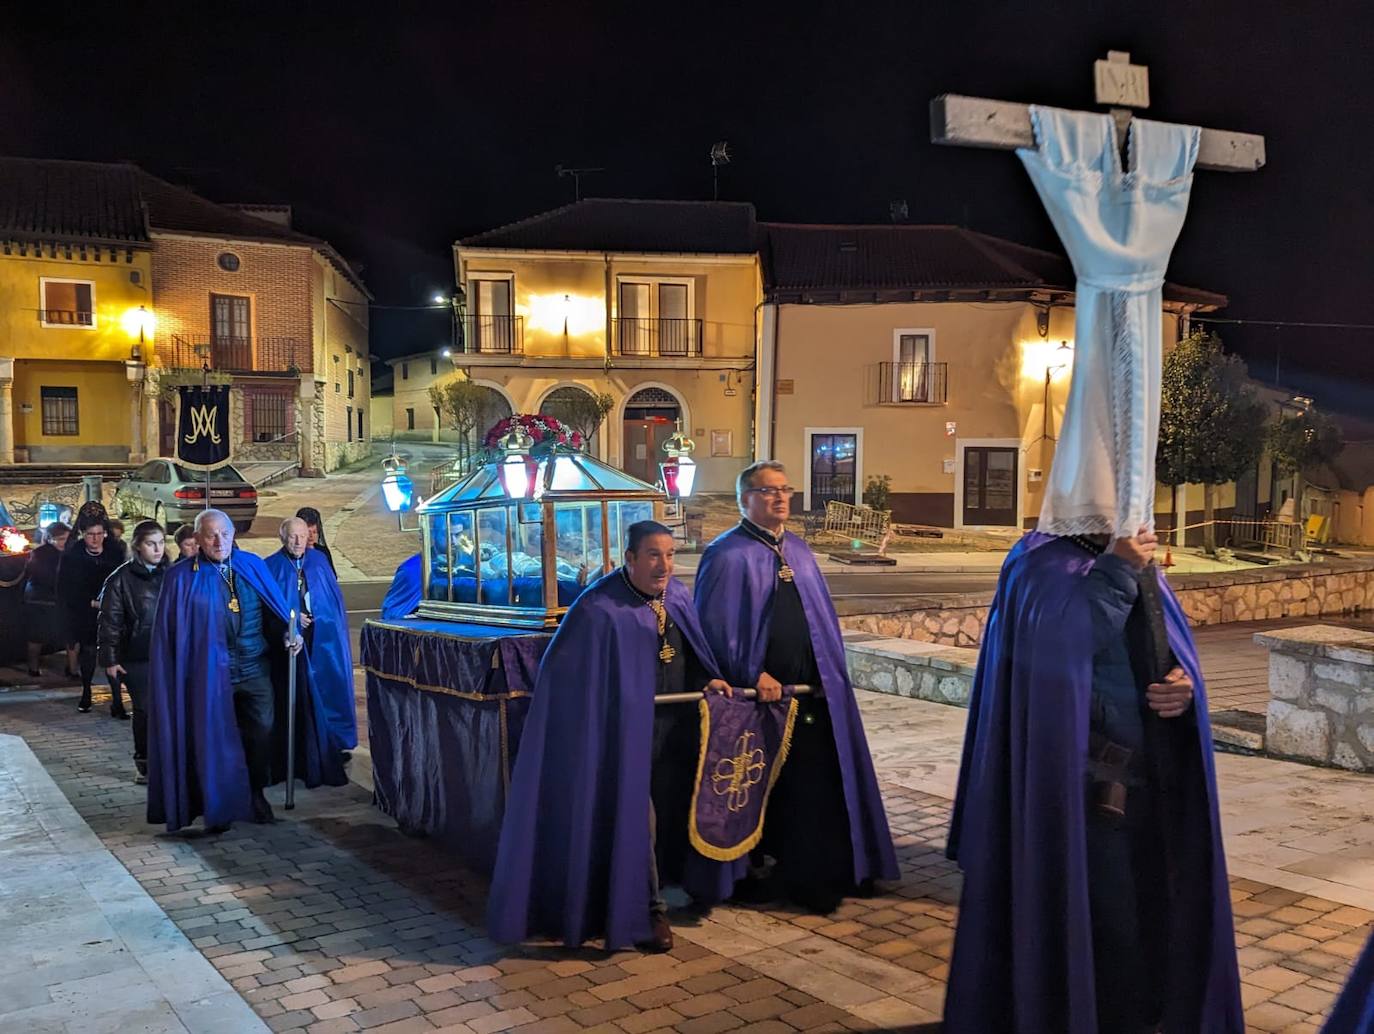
(1354, 1010)
(734, 594)
(195, 756)
(1023, 955)
(330, 651)
(573, 859)
(403, 597)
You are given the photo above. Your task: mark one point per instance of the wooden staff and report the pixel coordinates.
(291, 659)
(747, 694)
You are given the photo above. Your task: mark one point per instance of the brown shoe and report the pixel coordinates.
(660, 936)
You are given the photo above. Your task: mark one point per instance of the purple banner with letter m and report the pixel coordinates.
(743, 748)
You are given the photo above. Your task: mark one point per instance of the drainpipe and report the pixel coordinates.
(606, 257)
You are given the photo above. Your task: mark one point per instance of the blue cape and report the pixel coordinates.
(1023, 957)
(734, 595)
(330, 650)
(573, 859)
(1354, 1010)
(403, 597)
(195, 755)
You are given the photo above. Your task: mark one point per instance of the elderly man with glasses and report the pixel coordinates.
(767, 615)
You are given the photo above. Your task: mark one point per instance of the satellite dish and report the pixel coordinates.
(720, 153)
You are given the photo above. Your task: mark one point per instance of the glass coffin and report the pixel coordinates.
(519, 563)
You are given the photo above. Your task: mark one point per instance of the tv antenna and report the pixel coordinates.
(576, 174)
(720, 155)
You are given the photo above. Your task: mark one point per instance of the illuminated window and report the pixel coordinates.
(59, 411)
(66, 303)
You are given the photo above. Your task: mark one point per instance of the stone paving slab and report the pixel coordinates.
(333, 921)
(82, 945)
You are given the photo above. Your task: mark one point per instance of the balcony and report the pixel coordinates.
(236, 354)
(66, 318)
(660, 338)
(913, 384)
(493, 335)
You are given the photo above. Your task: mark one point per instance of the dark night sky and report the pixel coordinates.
(394, 129)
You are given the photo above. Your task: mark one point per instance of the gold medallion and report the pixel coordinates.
(234, 604)
(785, 573)
(666, 654)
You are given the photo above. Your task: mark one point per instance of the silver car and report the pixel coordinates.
(172, 494)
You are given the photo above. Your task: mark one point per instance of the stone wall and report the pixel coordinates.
(1321, 695)
(947, 620)
(902, 667)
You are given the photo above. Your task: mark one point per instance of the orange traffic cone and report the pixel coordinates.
(1168, 557)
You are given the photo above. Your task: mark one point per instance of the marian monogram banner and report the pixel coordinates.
(743, 748)
(203, 427)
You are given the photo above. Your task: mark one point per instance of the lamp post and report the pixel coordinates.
(679, 470)
(140, 322)
(1064, 353)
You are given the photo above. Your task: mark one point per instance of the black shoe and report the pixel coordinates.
(85, 705)
(756, 890)
(262, 811)
(660, 936)
(214, 831)
(121, 714)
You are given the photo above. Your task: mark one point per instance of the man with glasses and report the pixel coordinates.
(767, 614)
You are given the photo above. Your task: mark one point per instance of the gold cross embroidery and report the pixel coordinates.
(666, 653)
(734, 776)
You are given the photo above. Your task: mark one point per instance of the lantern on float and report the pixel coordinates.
(397, 488)
(516, 468)
(679, 470)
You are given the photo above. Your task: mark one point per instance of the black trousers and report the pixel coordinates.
(255, 709)
(135, 680)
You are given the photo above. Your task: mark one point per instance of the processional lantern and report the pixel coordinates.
(397, 488)
(517, 469)
(679, 470)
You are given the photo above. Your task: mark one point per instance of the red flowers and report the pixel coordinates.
(545, 430)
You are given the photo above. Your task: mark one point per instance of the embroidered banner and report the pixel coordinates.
(203, 427)
(743, 748)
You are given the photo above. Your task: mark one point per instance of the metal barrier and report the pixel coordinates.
(857, 522)
(1249, 533)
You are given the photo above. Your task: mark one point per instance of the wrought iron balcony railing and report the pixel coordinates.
(236, 354)
(66, 318)
(913, 383)
(494, 335)
(662, 337)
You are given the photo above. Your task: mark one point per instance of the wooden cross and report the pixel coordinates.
(1004, 125)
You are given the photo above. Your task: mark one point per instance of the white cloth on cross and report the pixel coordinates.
(1118, 229)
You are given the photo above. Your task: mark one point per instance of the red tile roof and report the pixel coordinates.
(620, 224)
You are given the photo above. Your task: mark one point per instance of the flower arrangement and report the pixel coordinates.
(547, 432)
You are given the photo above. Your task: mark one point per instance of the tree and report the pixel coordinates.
(1300, 442)
(468, 408)
(1211, 426)
(581, 410)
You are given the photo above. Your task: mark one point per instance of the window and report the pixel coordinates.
(265, 416)
(911, 364)
(228, 261)
(405, 371)
(492, 314)
(231, 332)
(59, 411)
(350, 383)
(410, 419)
(66, 303)
(654, 317)
(360, 423)
(348, 423)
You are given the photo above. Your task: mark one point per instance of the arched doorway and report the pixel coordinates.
(651, 415)
(479, 409)
(579, 409)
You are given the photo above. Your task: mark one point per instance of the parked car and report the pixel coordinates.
(172, 494)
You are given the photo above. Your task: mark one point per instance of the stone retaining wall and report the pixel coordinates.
(903, 667)
(1321, 695)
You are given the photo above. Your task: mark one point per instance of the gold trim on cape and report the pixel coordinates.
(729, 854)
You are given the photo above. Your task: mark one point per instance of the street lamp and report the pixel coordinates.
(1060, 359)
(517, 468)
(679, 469)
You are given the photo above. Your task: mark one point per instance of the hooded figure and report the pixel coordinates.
(406, 588)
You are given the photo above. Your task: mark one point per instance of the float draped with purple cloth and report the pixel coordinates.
(734, 593)
(1354, 1010)
(329, 649)
(195, 756)
(1023, 958)
(744, 746)
(573, 861)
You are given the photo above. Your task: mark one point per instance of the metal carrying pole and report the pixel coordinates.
(747, 694)
(291, 660)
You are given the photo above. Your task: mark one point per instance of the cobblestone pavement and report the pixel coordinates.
(331, 920)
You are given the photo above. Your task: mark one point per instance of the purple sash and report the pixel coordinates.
(743, 748)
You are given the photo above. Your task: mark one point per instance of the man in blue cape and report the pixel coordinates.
(217, 711)
(407, 585)
(767, 614)
(309, 587)
(1086, 821)
(1353, 1012)
(577, 857)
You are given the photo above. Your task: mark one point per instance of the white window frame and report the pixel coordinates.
(960, 445)
(654, 283)
(473, 314)
(807, 434)
(929, 334)
(43, 282)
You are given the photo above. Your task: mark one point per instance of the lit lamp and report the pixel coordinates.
(679, 470)
(1060, 359)
(139, 323)
(517, 467)
(397, 488)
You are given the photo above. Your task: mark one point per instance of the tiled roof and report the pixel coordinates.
(77, 202)
(178, 210)
(611, 224)
(802, 259)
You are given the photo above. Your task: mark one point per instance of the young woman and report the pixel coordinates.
(127, 606)
(80, 576)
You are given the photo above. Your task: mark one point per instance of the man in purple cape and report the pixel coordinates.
(217, 717)
(766, 612)
(310, 588)
(1086, 821)
(576, 859)
(1354, 1010)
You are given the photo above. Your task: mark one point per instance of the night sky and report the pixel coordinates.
(394, 129)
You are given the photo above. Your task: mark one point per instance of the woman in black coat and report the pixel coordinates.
(127, 606)
(91, 557)
(43, 616)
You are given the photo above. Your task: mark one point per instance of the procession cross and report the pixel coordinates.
(959, 121)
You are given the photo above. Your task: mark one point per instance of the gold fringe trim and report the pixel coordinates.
(729, 854)
(513, 694)
(505, 753)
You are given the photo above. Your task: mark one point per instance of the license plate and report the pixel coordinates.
(223, 494)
